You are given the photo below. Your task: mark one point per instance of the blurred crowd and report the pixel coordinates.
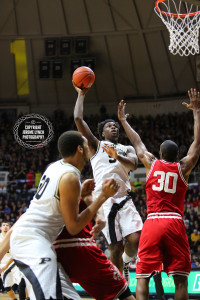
(25, 166)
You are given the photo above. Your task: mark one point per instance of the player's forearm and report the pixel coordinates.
(100, 213)
(130, 163)
(196, 115)
(134, 138)
(86, 216)
(8, 263)
(78, 110)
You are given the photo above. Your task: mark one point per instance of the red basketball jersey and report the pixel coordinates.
(165, 188)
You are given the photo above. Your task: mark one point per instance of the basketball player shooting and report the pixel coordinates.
(163, 238)
(109, 159)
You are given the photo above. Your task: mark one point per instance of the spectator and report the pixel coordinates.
(197, 253)
(137, 183)
(30, 177)
(195, 238)
(21, 178)
(11, 193)
(24, 192)
(12, 218)
(197, 209)
(195, 262)
(7, 209)
(38, 175)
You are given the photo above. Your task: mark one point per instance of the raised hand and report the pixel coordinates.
(80, 91)
(194, 97)
(122, 116)
(110, 150)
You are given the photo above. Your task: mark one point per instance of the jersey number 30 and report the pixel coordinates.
(163, 181)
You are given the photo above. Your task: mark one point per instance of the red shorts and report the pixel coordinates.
(89, 266)
(163, 241)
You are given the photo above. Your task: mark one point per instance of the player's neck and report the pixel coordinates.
(114, 141)
(74, 161)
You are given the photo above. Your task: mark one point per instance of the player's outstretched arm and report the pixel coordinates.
(141, 150)
(81, 124)
(69, 191)
(190, 160)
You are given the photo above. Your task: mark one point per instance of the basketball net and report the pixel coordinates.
(182, 20)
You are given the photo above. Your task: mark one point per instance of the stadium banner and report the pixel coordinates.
(168, 283)
(3, 177)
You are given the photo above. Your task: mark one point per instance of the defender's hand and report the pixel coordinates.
(87, 187)
(194, 97)
(97, 228)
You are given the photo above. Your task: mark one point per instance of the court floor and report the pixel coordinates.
(5, 297)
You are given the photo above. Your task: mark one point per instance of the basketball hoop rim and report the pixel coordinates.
(172, 14)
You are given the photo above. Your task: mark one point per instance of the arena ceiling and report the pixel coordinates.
(127, 39)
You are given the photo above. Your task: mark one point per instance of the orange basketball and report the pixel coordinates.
(83, 77)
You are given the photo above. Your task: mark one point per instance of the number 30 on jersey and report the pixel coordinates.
(163, 181)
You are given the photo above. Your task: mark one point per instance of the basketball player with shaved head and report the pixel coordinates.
(109, 159)
(163, 239)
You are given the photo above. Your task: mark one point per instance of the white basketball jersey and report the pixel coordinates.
(43, 214)
(106, 167)
(7, 256)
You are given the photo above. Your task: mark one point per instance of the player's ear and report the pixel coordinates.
(160, 153)
(80, 149)
(178, 155)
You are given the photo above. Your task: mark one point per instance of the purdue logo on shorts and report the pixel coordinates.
(44, 260)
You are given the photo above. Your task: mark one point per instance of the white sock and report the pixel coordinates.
(126, 258)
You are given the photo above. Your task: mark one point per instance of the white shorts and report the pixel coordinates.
(11, 276)
(121, 222)
(36, 259)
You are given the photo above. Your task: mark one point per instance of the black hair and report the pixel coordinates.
(68, 143)
(7, 222)
(102, 124)
(169, 150)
